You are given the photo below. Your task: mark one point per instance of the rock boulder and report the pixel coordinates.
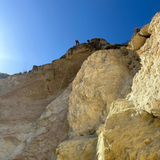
(98, 83)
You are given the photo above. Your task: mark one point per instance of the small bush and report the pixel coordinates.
(136, 30)
(24, 71)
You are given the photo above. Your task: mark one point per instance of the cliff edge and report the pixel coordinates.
(99, 101)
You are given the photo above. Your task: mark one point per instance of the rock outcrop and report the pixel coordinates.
(24, 100)
(139, 39)
(130, 134)
(98, 83)
(99, 101)
(78, 148)
(145, 90)
(3, 75)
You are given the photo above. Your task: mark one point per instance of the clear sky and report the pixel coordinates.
(36, 32)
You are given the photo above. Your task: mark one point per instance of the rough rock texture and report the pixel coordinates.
(26, 140)
(79, 148)
(129, 135)
(29, 99)
(129, 132)
(119, 106)
(90, 91)
(139, 38)
(44, 80)
(145, 90)
(137, 41)
(47, 79)
(24, 98)
(98, 116)
(144, 31)
(93, 45)
(102, 78)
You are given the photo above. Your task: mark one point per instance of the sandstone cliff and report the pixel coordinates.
(97, 102)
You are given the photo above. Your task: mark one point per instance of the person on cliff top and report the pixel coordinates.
(77, 42)
(88, 40)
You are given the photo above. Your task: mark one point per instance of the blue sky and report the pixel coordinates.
(36, 32)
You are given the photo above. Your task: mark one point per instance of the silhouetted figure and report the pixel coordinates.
(88, 40)
(77, 42)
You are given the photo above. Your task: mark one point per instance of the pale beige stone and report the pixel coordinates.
(119, 106)
(145, 90)
(34, 105)
(94, 44)
(79, 148)
(43, 137)
(29, 130)
(137, 41)
(132, 135)
(144, 31)
(98, 83)
(81, 48)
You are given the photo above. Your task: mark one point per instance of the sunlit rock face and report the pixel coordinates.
(99, 101)
(131, 129)
(78, 148)
(34, 105)
(129, 134)
(26, 139)
(140, 38)
(45, 80)
(50, 129)
(145, 90)
(95, 87)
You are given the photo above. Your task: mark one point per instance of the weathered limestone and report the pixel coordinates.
(81, 48)
(139, 38)
(145, 90)
(98, 83)
(44, 80)
(119, 106)
(93, 45)
(42, 117)
(47, 78)
(137, 41)
(39, 140)
(130, 135)
(144, 31)
(79, 148)
(24, 98)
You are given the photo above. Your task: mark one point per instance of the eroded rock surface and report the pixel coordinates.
(102, 78)
(145, 90)
(24, 98)
(78, 148)
(132, 135)
(140, 38)
(93, 45)
(26, 140)
(98, 116)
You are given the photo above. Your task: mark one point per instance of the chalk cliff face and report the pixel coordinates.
(97, 102)
(145, 90)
